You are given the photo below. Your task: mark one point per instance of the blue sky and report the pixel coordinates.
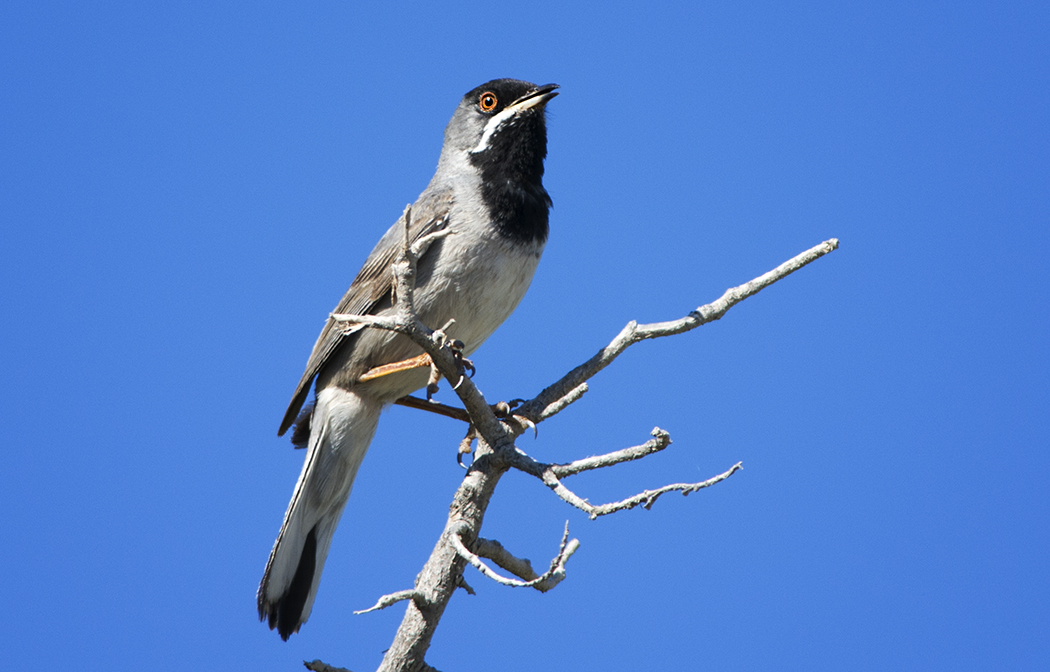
(186, 191)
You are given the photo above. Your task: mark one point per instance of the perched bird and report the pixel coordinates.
(488, 194)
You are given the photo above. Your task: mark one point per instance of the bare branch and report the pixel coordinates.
(419, 248)
(646, 498)
(494, 551)
(558, 405)
(390, 600)
(633, 332)
(543, 583)
(519, 567)
(523, 462)
(649, 497)
(404, 267)
(550, 473)
(442, 573)
(377, 321)
(660, 440)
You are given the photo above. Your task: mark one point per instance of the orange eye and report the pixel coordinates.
(487, 102)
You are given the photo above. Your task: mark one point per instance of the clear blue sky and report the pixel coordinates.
(187, 190)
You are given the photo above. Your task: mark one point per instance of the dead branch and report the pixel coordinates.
(551, 475)
(390, 600)
(496, 452)
(542, 583)
(660, 440)
(634, 332)
(519, 567)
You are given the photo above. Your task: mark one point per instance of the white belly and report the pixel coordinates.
(478, 282)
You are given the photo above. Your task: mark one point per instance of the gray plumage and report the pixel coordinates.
(487, 191)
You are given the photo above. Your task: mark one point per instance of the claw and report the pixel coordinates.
(527, 423)
(503, 409)
(462, 362)
(466, 447)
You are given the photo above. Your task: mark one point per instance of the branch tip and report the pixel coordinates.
(391, 599)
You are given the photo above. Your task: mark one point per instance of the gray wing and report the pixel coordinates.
(369, 288)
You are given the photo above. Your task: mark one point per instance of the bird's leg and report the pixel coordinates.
(462, 363)
(466, 446)
(434, 407)
(404, 365)
(432, 384)
(435, 375)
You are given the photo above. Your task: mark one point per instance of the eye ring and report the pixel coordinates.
(487, 101)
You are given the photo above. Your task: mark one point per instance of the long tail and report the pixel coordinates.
(342, 426)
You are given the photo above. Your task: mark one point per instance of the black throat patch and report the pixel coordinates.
(512, 178)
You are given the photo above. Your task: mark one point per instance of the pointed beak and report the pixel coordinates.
(536, 98)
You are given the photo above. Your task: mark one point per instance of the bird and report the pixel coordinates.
(487, 195)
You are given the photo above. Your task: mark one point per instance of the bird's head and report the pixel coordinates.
(502, 123)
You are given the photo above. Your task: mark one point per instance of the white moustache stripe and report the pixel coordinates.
(490, 128)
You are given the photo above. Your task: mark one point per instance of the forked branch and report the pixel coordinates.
(517, 566)
(496, 453)
(551, 475)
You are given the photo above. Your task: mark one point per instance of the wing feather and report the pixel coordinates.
(372, 285)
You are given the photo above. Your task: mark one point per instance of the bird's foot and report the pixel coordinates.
(504, 410)
(432, 384)
(466, 446)
(463, 365)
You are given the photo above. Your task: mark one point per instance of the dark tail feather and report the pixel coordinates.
(343, 425)
(286, 614)
(301, 433)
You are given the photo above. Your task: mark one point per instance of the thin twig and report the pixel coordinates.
(377, 321)
(649, 497)
(519, 567)
(634, 332)
(660, 440)
(559, 405)
(544, 582)
(391, 599)
(550, 474)
(419, 248)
